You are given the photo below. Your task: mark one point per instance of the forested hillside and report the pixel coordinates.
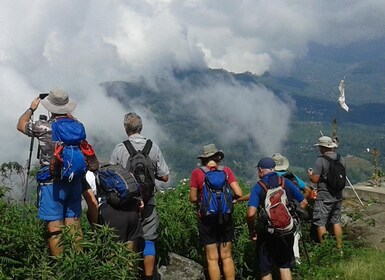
(311, 93)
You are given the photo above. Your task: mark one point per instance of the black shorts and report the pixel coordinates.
(211, 232)
(126, 222)
(274, 251)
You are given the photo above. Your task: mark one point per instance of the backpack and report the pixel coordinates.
(276, 206)
(117, 185)
(216, 194)
(67, 161)
(292, 178)
(336, 176)
(140, 164)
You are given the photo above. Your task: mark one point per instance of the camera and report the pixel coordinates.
(43, 95)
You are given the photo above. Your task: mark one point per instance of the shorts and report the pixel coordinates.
(125, 221)
(211, 232)
(274, 251)
(150, 222)
(327, 212)
(59, 200)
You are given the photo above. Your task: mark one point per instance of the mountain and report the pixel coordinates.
(312, 86)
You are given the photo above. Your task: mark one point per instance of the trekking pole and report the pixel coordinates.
(306, 253)
(28, 168)
(350, 184)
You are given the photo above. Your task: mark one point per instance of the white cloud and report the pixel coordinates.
(79, 44)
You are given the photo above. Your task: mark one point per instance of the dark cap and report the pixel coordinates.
(266, 163)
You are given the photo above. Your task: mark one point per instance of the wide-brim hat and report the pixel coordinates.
(281, 162)
(211, 150)
(58, 102)
(327, 142)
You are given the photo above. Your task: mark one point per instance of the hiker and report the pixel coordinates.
(274, 246)
(149, 217)
(281, 167)
(214, 236)
(327, 207)
(123, 215)
(59, 200)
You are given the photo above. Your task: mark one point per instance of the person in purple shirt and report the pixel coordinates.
(273, 250)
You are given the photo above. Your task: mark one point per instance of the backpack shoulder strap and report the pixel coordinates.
(263, 185)
(130, 148)
(204, 169)
(147, 147)
(326, 157)
(281, 182)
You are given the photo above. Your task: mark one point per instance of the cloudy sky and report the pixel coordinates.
(78, 44)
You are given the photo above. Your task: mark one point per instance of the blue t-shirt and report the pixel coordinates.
(258, 194)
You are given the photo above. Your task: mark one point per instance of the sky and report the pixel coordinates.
(76, 45)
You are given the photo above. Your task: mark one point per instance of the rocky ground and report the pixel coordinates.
(366, 223)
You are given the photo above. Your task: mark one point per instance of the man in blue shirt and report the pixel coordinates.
(272, 249)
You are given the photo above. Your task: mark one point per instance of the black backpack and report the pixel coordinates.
(291, 177)
(336, 176)
(140, 164)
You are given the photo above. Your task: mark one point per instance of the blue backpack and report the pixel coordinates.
(68, 161)
(217, 199)
(117, 186)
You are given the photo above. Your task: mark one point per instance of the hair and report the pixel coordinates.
(325, 149)
(216, 157)
(132, 123)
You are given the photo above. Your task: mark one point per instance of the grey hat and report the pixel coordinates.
(281, 162)
(210, 150)
(327, 142)
(58, 102)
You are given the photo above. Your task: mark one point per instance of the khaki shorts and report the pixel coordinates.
(327, 212)
(150, 223)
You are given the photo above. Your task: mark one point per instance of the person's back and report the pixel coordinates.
(60, 200)
(150, 220)
(216, 229)
(327, 207)
(273, 248)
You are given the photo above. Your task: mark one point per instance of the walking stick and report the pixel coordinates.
(350, 184)
(28, 168)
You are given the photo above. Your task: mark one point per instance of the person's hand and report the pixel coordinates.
(35, 103)
(253, 235)
(141, 205)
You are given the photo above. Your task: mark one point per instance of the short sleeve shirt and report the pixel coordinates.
(43, 132)
(321, 168)
(258, 193)
(120, 155)
(198, 177)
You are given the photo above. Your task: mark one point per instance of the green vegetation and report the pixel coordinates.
(24, 253)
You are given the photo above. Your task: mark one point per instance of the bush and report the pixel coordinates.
(24, 252)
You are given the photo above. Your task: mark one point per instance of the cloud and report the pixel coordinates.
(79, 44)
